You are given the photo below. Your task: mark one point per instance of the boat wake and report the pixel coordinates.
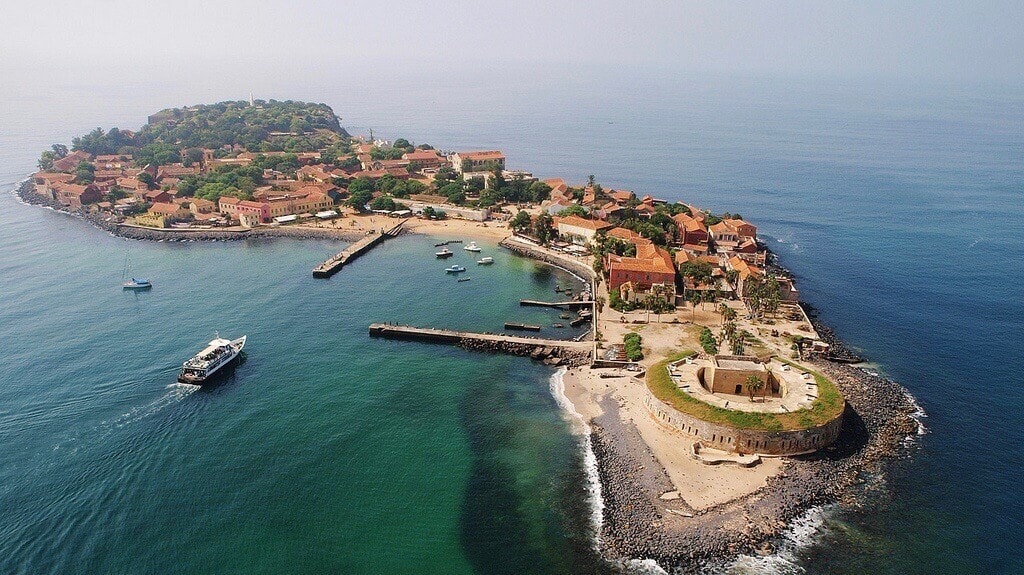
(175, 393)
(580, 427)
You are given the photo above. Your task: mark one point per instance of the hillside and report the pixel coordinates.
(266, 126)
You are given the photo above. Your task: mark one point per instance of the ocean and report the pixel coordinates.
(898, 207)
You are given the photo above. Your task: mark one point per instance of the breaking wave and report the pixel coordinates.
(557, 385)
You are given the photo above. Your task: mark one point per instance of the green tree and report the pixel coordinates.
(573, 210)
(146, 179)
(754, 385)
(358, 198)
(521, 222)
(85, 173)
(543, 228)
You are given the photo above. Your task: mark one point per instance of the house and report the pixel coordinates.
(746, 275)
(314, 173)
(421, 159)
(200, 206)
(299, 203)
(174, 171)
(69, 162)
(728, 234)
(690, 231)
(556, 206)
(254, 212)
(75, 195)
(45, 181)
(578, 230)
(156, 196)
(170, 211)
(649, 272)
(477, 161)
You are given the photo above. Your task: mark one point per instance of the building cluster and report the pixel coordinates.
(725, 248)
(154, 200)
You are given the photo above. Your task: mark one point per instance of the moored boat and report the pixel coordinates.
(137, 284)
(454, 269)
(216, 355)
(485, 261)
(472, 247)
(464, 279)
(445, 253)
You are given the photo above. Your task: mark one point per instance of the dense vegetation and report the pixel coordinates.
(633, 346)
(828, 405)
(269, 126)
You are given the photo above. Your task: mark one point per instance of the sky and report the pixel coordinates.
(952, 41)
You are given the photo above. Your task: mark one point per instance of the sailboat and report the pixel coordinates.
(133, 283)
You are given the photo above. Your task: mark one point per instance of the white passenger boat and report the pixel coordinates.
(445, 253)
(217, 354)
(454, 269)
(472, 247)
(485, 261)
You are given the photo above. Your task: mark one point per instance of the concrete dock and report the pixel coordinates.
(338, 261)
(569, 304)
(435, 335)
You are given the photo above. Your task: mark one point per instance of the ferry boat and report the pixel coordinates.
(137, 284)
(217, 354)
(472, 247)
(445, 253)
(454, 269)
(486, 261)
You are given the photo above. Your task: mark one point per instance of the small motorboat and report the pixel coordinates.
(454, 269)
(472, 247)
(558, 325)
(464, 279)
(137, 284)
(564, 316)
(486, 261)
(445, 253)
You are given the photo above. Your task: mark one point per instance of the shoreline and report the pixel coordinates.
(360, 226)
(626, 480)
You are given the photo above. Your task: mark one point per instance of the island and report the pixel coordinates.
(717, 409)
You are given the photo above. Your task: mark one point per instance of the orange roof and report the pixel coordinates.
(164, 208)
(626, 235)
(484, 155)
(688, 223)
(421, 155)
(585, 224)
(230, 200)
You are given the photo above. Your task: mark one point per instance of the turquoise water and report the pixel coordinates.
(325, 451)
(899, 207)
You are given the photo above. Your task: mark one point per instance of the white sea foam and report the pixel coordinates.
(645, 567)
(919, 413)
(580, 426)
(801, 533)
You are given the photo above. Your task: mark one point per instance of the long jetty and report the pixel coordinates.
(551, 351)
(558, 304)
(338, 261)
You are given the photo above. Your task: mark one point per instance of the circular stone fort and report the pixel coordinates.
(744, 406)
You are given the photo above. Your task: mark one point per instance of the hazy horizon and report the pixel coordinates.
(233, 42)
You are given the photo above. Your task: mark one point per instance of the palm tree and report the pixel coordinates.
(728, 314)
(754, 385)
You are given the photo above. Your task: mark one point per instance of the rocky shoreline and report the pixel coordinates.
(639, 524)
(28, 196)
(548, 355)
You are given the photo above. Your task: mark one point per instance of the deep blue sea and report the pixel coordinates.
(899, 207)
